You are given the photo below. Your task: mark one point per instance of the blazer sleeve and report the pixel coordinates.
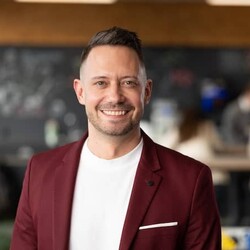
(204, 230)
(24, 235)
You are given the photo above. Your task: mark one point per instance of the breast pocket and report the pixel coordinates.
(168, 229)
(156, 238)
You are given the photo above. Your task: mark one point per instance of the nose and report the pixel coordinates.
(115, 93)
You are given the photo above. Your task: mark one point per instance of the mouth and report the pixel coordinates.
(115, 112)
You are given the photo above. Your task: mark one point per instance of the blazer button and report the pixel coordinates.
(150, 183)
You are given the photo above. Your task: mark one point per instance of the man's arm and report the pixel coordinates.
(24, 235)
(204, 230)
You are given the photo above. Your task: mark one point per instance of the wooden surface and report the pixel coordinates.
(231, 158)
(157, 24)
(230, 163)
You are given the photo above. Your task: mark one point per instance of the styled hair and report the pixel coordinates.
(114, 36)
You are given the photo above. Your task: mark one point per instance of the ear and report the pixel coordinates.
(79, 90)
(148, 91)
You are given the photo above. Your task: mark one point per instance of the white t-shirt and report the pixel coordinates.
(101, 197)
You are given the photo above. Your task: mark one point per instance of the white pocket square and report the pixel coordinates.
(168, 224)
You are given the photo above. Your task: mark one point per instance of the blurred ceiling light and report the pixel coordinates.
(69, 1)
(229, 2)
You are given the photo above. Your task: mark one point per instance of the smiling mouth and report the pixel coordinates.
(115, 112)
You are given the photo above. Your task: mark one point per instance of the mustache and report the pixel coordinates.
(118, 106)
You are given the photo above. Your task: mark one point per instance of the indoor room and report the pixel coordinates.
(197, 54)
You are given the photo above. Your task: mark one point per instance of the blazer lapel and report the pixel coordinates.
(145, 186)
(64, 189)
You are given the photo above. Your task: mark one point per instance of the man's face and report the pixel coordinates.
(114, 89)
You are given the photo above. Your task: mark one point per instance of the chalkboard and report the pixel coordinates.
(36, 93)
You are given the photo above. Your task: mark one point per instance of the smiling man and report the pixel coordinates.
(115, 188)
(114, 89)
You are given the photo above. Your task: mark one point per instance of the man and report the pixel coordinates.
(235, 122)
(115, 188)
(235, 128)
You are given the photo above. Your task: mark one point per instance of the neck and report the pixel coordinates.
(110, 147)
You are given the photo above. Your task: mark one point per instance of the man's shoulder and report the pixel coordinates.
(57, 154)
(58, 150)
(170, 158)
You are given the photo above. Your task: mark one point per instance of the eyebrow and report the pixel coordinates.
(106, 77)
(99, 77)
(134, 77)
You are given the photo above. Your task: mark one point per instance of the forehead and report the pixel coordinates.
(112, 61)
(107, 54)
(112, 48)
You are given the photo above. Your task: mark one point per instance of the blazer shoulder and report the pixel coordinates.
(168, 160)
(57, 152)
(179, 161)
(51, 158)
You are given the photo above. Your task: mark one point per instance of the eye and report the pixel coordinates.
(100, 84)
(130, 83)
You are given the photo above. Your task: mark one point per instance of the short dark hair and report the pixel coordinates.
(114, 36)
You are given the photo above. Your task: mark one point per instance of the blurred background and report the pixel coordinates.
(198, 54)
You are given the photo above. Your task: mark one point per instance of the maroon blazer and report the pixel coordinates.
(168, 187)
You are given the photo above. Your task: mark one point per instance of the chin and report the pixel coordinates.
(118, 131)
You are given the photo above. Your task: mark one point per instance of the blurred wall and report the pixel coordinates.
(158, 24)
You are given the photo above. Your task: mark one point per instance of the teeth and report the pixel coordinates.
(114, 112)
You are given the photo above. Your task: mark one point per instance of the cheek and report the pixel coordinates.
(91, 100)
(139, 101)
(143, 99)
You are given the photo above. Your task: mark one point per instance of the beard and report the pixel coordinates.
(113, 128)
